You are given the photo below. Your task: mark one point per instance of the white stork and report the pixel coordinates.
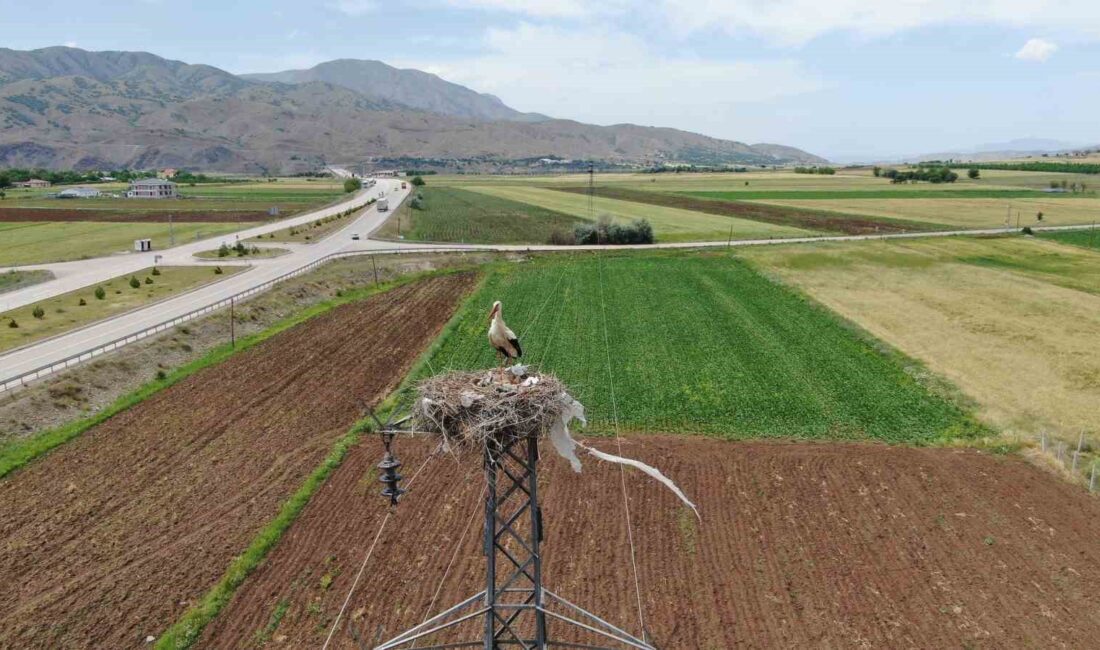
(502, 339)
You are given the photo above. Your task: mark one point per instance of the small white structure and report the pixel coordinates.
(152, 188)
(78, 193)
(143, 245)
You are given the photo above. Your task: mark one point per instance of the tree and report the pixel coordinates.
(134, 283)
(352, 184)
(156, 271)
(38, 312)
(418, 181)
(148, 280)
(223, 250)
(12, 323)
(877, 171)
(973, 172)
(100, 294)
(83, 302)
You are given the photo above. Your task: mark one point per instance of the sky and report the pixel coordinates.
(846, 79)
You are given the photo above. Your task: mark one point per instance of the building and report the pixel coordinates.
(167, 173)
(152, 188)
(34, 182)
(78, 193)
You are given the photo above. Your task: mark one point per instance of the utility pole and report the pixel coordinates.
(729, 242)
(171, 232)
(591, 192)
(375, 266)
(232, 325)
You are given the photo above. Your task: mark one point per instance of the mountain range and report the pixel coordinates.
(64, 107)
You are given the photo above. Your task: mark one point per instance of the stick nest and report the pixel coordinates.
(470, 407)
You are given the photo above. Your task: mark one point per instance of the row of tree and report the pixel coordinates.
(827, 171)
(9, 177)
(1041, 166)
(606, 231)
(930, 174)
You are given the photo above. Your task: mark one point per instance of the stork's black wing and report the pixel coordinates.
(515, 344)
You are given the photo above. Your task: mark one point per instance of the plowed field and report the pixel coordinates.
(111, 537)
(801, 545)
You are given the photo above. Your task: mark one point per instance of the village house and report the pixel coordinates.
(152, 188)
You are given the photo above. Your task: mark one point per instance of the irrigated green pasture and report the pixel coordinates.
(38, 242)
(669, 224)
(451, 214)
(698, 343)
(1089, 238)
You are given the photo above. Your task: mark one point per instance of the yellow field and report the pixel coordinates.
(1011, 322)
(669, 224)
(964, 213)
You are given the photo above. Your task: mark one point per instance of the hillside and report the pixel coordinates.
(65, 107)
(412, 88)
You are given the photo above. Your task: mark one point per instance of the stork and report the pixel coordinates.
(502, 339)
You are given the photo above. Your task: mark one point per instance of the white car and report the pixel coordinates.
(355, 236)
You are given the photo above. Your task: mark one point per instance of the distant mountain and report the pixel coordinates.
(1017, 148)
(64, 107)
(412, 88)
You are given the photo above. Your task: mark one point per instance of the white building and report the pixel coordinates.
(152, 188)
(78, 193)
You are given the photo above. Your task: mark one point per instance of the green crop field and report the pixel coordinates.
(903, 192)
(44, 241)
(1089, 238)
(451, 214)
(698, 343)
(669, 224)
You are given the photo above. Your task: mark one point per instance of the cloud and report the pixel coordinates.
(1037, 49)
(533, 8)
(606, 77)
(353, 7)
(795, 22)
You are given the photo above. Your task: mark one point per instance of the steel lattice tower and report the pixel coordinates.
(514, 609)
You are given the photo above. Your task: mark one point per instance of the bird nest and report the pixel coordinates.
(470, 407)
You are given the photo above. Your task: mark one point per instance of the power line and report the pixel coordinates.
(619, 443)
(366, 559)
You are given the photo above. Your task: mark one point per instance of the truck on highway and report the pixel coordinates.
(383, 205)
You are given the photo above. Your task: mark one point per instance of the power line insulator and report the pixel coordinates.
(390, 478)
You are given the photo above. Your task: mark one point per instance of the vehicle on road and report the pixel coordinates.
(355, 236)
(383, 205)
(404, 185)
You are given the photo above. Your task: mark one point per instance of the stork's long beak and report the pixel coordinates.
(492, 312)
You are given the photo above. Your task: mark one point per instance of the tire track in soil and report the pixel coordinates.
(801, 545)
(112, 536)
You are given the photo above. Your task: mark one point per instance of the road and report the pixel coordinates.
(73, 275)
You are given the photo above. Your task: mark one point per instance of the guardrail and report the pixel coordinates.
(23, 378)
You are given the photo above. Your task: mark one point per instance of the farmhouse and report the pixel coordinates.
(152, 188)
(34, 182)
(78, 193)
(167, 173)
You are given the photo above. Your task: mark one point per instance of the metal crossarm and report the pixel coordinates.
(514, 608)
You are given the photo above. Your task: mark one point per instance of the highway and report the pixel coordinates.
(74, 275)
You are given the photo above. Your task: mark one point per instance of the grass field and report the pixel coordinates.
(1010, 321)
(260, 253)
(1085, 238)
(12, 280)
(451, 214)
(699, 343)
(963, 213)
(43, 241)
(64, 312)
(669, 224)
(290, 196)
(902, 192)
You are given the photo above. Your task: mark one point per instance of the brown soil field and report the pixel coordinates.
(800, 545)
(111, 537)
(822, 220)
(14, 215)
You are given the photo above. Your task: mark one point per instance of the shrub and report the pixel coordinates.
(223, 250)
(255, 250)
(134, 284)
(418, 181)
(100, 294)
(161, 375)
(352, 184)
(1027, 230)
(82, 302)
(217, 270)
(12, 323)
(156, 271)
(561, 238)
(38, 312)
(973, 172)
(416, 204)
(148, 280)
(605, 231)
